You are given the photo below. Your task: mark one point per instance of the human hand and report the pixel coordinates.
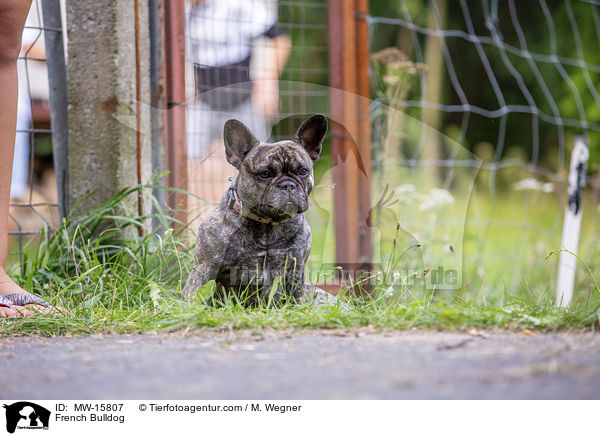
(265, 97)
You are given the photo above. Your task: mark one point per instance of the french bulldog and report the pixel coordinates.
(256, 242)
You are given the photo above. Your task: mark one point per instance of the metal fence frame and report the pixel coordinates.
(57, 78)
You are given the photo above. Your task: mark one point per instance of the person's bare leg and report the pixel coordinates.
(12, 19)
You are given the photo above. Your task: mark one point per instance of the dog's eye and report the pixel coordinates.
(264, 175)
(303, 172)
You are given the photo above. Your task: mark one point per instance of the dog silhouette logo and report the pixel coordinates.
(26, 415)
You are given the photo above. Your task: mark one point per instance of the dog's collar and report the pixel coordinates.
(235, 203)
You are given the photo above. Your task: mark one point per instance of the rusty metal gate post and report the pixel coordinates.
(350, 131)
(176, 153)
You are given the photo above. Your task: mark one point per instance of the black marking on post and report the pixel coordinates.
(577, 174)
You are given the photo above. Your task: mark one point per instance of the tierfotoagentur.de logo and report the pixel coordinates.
(26, 415)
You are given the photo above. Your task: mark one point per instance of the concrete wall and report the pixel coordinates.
(102, 99)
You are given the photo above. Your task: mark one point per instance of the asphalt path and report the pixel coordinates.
(323, 364)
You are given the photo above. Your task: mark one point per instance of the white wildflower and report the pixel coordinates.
(436, 199)
(407, 193)
(531, 184)
(390, 80)
(401, 189)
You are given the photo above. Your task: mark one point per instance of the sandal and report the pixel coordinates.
(13, 310)
(5, 302)
(21, 299)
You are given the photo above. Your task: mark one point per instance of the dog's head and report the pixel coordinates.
(275, 179)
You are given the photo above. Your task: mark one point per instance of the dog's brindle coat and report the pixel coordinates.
(258, 231)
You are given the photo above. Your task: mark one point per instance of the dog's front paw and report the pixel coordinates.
(195, 281)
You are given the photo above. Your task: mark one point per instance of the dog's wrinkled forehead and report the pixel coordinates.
(280, 155)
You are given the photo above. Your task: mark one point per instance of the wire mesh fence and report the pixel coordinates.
(34, 204)
(512, 85)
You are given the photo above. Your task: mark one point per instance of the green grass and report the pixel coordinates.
(167, 313)
(112, 280)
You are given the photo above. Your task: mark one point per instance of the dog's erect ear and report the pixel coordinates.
(239, 140)
(311, 134)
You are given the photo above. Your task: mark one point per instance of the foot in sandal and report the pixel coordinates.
(16, 302)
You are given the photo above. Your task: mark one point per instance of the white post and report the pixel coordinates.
(572, 222)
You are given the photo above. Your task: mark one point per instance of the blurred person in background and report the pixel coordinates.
(32, 47)
(238, 54)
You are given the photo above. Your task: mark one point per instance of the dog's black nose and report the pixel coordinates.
(287, 185)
